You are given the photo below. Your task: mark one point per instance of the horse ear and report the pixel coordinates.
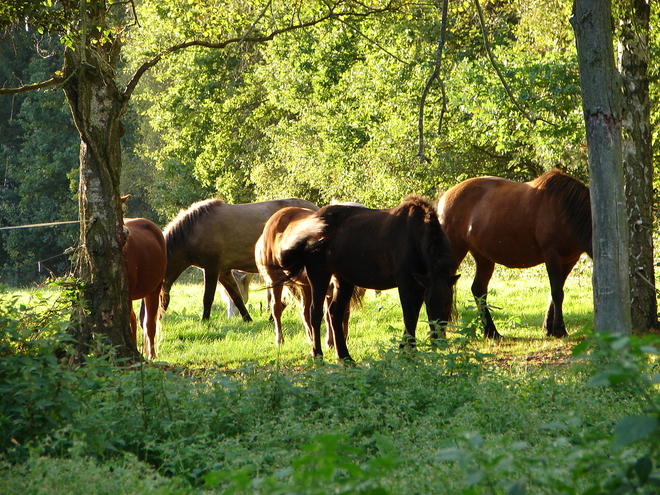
(422, 280)
(125, 198)
(455, 278)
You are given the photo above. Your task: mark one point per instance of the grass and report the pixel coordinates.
(232, 413)
(519, 299)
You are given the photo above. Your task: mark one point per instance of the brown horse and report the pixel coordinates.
(267, 255)
(218, 238)
(145, 262)
(402, 247)
(519, 225)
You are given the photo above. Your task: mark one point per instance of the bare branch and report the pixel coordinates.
(53, 81)
(435, 76)
(374, 42)
(493, 62)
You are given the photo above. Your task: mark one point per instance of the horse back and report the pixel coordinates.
(372, 248)
(517, 224)
(225, 235)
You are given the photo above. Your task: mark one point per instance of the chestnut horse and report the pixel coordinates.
(218, 238)
(401, 247)
(519, 225)
(145, 262)
(267, 255)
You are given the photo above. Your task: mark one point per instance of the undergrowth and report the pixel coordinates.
(442, 419)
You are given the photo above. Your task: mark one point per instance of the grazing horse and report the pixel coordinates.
(243, 281)
(267, 255)
(218, 238)
(519, 225)
(401, 247)
(145, 262)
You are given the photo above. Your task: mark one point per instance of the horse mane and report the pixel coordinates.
(178, 229)
(575, 202)
(434, 241)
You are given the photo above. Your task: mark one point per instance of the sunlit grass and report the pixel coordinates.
(518, 299)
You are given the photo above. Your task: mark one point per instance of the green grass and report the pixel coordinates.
(519, 299)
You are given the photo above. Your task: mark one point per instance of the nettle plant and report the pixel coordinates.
(622, 460)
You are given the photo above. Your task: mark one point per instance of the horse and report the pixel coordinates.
(145, 262)
(519, 225)
(218, 238)
(267, 256)
(403, 247)
(243, 281)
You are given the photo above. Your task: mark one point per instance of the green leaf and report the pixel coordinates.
(450, 454)
(633, 428)
(518, 488)
(643, 468)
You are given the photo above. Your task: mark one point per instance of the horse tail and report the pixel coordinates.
(298, 241)
(357, 299)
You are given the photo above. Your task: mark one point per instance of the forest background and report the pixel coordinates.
(331, 111)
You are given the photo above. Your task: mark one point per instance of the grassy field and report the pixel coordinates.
(519, 299)
(226, 411)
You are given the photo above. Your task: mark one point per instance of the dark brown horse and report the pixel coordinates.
(402, 247)
(145, 262)
(267, 255)
(519, 225)
(218, 238)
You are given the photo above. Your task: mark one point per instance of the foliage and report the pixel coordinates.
(39, 155)
(38, 394)
(444, 419)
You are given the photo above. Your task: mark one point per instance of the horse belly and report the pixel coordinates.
(503, 247)
(371, 270)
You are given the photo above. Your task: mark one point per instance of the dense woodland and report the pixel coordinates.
(331, 111)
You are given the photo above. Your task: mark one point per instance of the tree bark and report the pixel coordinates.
(601, 102)
(97, 106)
(638, 162)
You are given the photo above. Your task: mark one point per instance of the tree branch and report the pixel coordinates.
(53, 81)
(246, 38)
(435, 76)
(493, 62)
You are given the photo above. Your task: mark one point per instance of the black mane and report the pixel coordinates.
(575, 200)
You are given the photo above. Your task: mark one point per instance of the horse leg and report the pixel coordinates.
(210, 284)
(553, 324)
(306, 312)
(411, 295)
(230, 285)
(328, 319)
(133, 322)
(339, 303)
(319, 279)
(482, 276)
(149, 323)
(276, 308)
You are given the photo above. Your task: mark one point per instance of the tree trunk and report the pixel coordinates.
(638, 162)
(96, 106)
(601, 102)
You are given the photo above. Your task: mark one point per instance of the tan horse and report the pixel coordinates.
(218, 238)
(519, 225)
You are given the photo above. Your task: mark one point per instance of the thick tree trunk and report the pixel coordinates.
(601, 102)
(97, 105)
(638, 162)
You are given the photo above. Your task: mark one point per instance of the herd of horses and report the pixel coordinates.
(330, 255)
